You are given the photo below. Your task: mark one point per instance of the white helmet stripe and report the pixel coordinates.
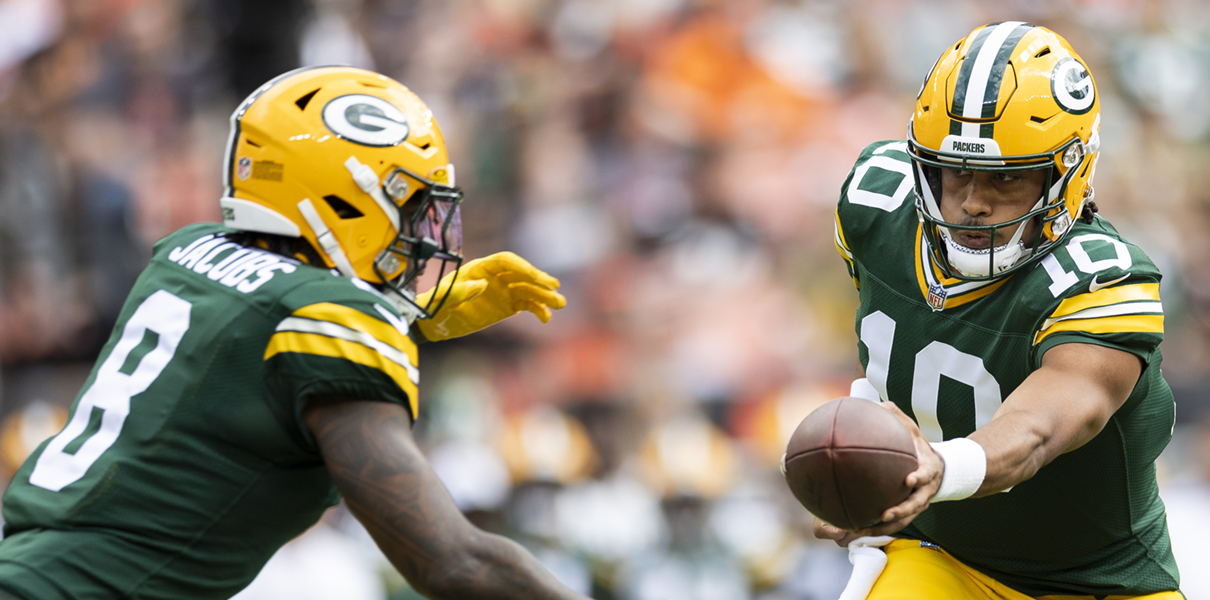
(976, 85)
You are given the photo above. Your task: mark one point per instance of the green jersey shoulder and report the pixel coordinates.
(185, 459)
(878, 189)
(949, 352)
(322, 316)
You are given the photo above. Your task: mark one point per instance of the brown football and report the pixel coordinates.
(847, 462)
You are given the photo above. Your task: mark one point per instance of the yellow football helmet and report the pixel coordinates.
(1009, 97)
(353, 162)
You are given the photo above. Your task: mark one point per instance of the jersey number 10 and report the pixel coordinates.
(933, 361)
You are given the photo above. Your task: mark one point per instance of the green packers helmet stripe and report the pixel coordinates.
(968, 65)
(999, 65)
(978, 87)
(233, 139)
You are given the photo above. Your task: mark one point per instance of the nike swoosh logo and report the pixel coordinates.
(1094, 285)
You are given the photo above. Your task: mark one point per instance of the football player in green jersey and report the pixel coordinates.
(1016, 334)
(264, 368)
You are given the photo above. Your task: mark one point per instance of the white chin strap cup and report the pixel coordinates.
(975, 263)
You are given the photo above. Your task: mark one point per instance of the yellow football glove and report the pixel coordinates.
(489, 290)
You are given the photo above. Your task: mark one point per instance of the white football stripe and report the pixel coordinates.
(334, 330)
(839, 242)
(976, 86)
(1116, 310)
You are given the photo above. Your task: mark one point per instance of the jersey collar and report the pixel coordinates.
(941, 292)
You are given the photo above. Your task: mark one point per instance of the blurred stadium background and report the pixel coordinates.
(673, 162)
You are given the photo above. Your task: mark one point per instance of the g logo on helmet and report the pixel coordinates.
(1072, 86)
(366, 120)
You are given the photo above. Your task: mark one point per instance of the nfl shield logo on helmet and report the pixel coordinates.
(244, 168)
(937, 296)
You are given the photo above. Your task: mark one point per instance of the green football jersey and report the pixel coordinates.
(185, 463)
(948, 352)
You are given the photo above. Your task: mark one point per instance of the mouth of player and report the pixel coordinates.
(973, 240)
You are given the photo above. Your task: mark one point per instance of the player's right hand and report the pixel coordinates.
(488, 290)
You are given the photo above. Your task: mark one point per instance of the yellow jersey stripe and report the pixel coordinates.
(843, 248)
(357, 320)
(920, 260)
(975, 295)
(1108, 296)
(1126, 308)
(965, 291)
(322, 345)
(938, 274)
(841, 243)
(958, 286)
(1117, 324)
(392, 353)
(852, 273)
(953, 285)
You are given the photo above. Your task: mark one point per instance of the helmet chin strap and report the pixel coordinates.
(975, 263)
(327, 241)
(367, 180)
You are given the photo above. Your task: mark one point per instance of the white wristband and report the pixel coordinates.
(862, 388)
(965, 468)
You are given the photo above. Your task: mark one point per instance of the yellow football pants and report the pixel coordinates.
(916, 573)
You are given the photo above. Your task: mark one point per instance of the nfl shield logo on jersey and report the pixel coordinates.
(937, 296)
(245, 167)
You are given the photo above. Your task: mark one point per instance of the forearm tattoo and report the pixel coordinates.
(388, 484)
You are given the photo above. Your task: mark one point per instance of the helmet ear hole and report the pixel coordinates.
(343, 209)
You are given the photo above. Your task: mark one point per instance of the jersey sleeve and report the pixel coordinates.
(879, 183)
(342, 348)
(1107, 293)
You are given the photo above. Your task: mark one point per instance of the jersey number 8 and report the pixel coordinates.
(162, 315)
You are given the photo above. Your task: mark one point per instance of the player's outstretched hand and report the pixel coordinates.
(925, 480)
(489, 290)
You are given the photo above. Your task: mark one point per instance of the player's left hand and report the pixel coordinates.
(489, 290)
(842, 538)
(926, 479)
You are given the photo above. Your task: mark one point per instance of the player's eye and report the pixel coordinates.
(1006, 177)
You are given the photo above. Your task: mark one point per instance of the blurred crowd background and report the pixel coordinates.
(674, 162)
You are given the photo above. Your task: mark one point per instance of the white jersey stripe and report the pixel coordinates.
(352, 335)
(1116, 310)
(976, 87)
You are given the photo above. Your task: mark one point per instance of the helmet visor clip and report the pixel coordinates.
(1072, 155)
